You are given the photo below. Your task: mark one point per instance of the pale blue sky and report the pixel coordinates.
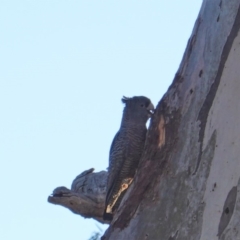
(64, 67)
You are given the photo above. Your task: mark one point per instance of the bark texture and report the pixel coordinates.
(86, 197)
(187, 184)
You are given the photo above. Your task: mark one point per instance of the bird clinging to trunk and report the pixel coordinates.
(126, 150)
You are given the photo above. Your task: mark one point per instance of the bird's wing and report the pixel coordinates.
(116, 160)
(113, 147)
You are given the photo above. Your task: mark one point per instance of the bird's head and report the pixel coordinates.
(138, 108)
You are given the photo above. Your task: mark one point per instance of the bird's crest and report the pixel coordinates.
(125, 99)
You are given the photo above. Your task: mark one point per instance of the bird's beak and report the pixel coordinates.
(150, 109)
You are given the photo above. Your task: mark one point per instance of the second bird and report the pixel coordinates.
(126, 150)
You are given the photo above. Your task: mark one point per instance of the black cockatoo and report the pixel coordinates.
(126, 150)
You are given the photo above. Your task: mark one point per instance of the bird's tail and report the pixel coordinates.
(107, 216)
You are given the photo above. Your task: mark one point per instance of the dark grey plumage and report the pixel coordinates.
(126, 150)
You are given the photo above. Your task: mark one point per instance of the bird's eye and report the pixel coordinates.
(142, 105)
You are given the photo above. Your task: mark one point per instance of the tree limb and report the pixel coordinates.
(86, 197)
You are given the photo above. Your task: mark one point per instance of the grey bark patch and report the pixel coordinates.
(228, 210)
(203, 114)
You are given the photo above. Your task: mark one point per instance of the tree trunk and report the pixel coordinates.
(187, 184)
